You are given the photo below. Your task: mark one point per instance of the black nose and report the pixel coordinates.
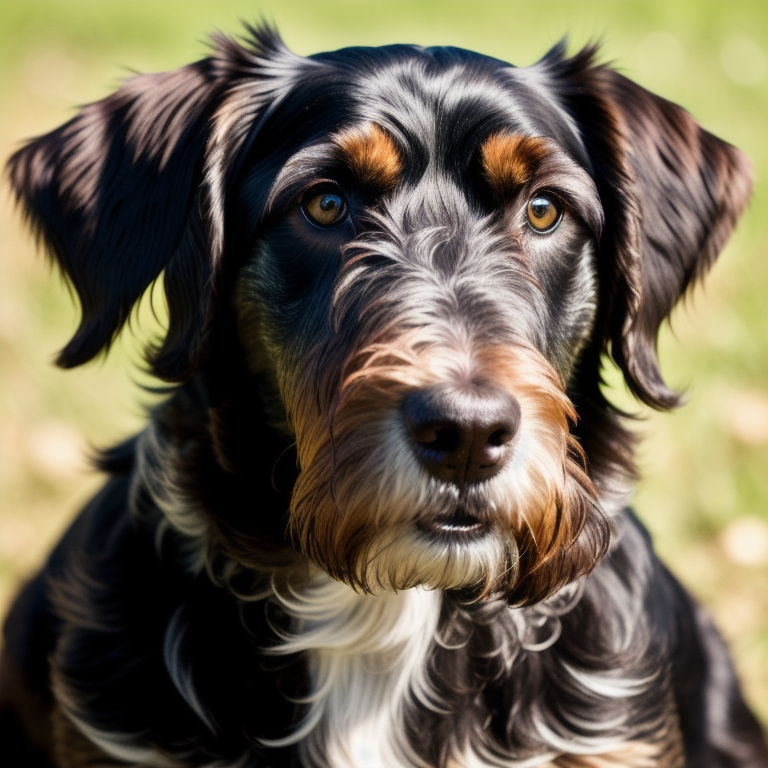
(462, 435)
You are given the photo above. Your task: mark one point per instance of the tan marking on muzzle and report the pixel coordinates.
(361, 491)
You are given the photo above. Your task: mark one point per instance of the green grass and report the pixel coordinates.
(705, 492)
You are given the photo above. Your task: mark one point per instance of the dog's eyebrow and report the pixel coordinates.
(511, 160)
(371, 155)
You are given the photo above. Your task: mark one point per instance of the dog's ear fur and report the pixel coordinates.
(111, 194)
(671, 193)
(134, 186)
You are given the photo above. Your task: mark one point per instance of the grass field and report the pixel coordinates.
(705, 492)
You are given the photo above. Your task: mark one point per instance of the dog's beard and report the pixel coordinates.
(370, 514)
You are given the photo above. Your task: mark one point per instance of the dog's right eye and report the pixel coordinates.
(325, 205)
(544, 212)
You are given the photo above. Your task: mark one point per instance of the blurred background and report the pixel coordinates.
(705, 489)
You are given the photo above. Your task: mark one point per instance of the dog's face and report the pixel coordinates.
(422, 280)
(422, 256)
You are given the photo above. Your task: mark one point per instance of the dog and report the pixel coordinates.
(381, 519)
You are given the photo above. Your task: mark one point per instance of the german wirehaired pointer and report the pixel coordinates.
(380, 521)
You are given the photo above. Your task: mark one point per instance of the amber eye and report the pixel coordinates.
(325, 205)
(544, 212)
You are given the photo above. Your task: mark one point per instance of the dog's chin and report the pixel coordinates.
(456, 551)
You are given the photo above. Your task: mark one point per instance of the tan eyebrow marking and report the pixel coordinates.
(510, 160)
(371, 155)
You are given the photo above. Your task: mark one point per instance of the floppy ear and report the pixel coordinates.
(112, 194)
(135, 185)
(671, 193)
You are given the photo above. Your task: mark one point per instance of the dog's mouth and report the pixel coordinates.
(459, 523)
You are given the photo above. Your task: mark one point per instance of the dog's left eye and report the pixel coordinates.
(544, 212)
(325, 205)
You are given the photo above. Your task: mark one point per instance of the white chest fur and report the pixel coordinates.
(367, 657)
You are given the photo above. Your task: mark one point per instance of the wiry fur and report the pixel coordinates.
(380, 522)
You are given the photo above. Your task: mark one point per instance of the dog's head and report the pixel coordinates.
(422, 256)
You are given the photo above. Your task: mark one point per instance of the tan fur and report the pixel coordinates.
(350, 503)
(634, 754)
(510, 161)
(630, 755)
(72, 749)
(371, 155)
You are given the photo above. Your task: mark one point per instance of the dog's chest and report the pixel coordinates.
(367, 657)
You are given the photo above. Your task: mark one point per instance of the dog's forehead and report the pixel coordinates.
(433, 100)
